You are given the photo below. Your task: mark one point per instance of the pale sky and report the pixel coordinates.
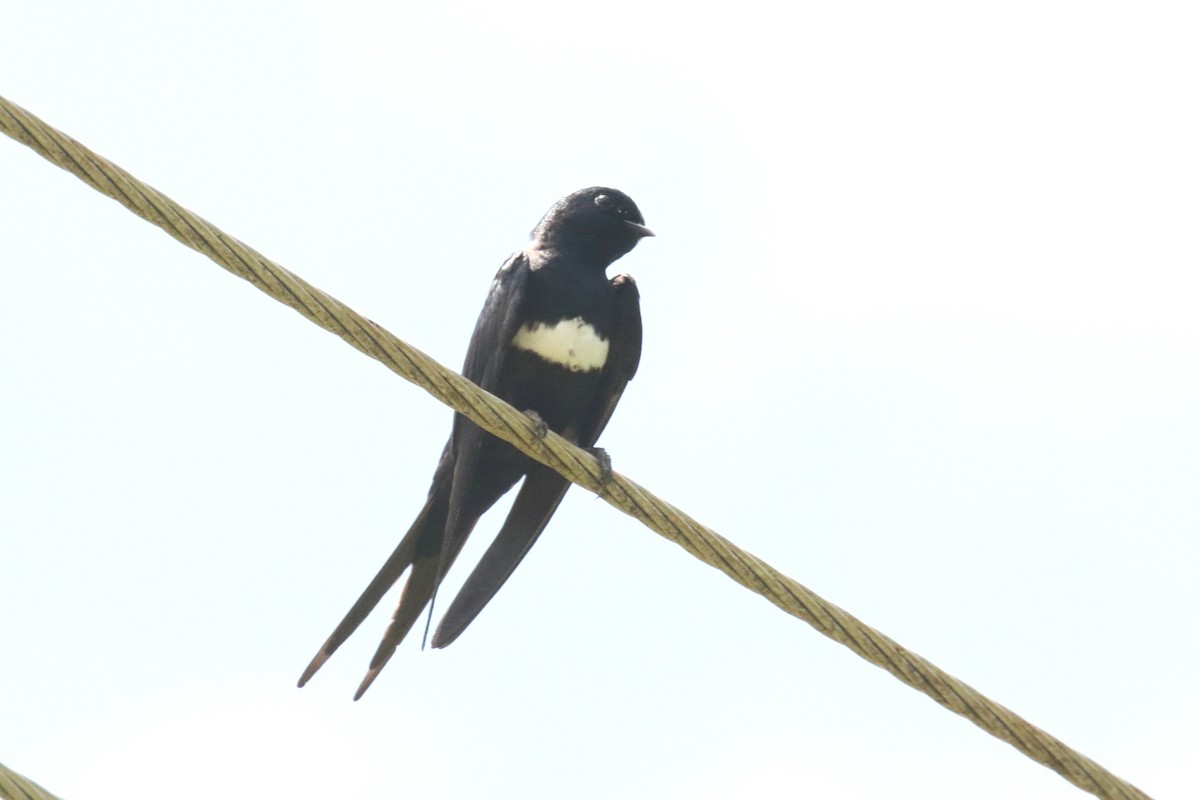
(921, 331)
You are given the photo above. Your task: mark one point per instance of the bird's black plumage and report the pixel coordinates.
(556, 337)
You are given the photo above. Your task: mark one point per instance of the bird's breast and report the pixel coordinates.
(571, 343)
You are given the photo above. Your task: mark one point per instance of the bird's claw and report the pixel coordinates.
(606, 470)
(540, 428)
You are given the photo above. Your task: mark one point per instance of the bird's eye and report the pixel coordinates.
(604, 201)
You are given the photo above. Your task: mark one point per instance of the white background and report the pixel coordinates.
(921, 331)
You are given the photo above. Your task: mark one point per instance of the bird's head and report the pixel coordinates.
(595, 224)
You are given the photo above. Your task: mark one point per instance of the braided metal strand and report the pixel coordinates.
(502, 420)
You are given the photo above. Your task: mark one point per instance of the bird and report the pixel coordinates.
(558, 340)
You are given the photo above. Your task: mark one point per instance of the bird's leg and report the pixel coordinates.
(539, 425)
(606, 470)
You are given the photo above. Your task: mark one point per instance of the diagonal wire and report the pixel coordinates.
(498, 418)
(14, 786)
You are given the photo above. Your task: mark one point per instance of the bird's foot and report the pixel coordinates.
(606, 470)
(540, 427)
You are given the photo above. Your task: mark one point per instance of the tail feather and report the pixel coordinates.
(427, 573)
(457, 499)
(429, 520)
(418, 590)
(537, 501)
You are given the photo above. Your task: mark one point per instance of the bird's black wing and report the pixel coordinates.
(440, 519)
(494, 330)
(544, 488)
(497, 323)
(624, 354)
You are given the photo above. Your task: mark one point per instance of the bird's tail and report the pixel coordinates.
(427, 527)
(539, 497)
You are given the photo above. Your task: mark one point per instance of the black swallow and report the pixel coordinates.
(557, 339)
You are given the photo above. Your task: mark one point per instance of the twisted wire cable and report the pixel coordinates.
(498, 418)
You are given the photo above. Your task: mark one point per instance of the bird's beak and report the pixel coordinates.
(642, 230)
